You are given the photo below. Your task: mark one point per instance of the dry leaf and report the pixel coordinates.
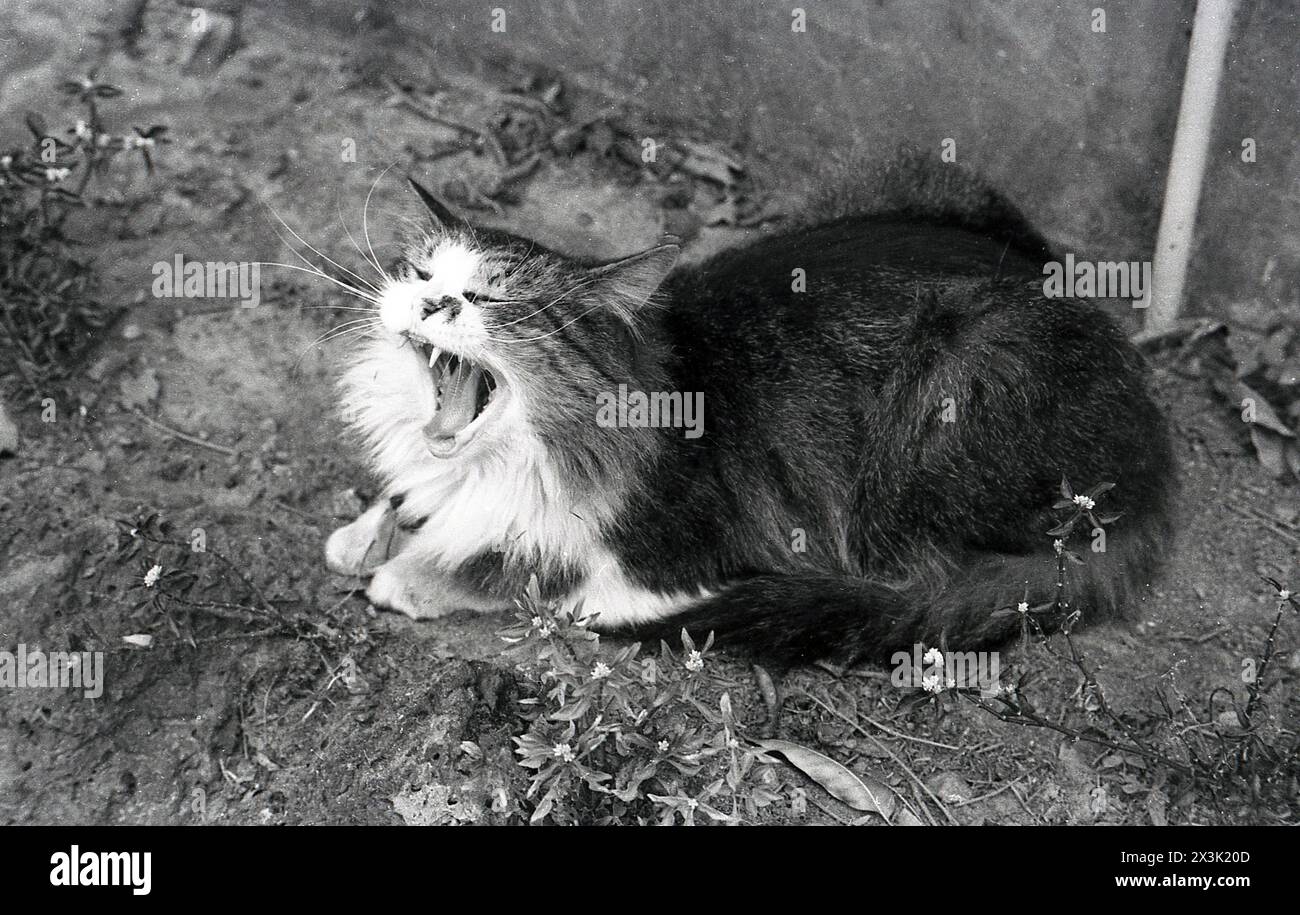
(1263, 412)
(866, 794)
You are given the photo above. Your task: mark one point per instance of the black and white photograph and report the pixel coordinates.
(864, 413)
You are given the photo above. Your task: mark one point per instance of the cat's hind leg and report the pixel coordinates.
(412, 584)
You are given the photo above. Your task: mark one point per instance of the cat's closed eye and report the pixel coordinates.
(480, 297)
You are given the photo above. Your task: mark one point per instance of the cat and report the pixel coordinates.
(889, 408)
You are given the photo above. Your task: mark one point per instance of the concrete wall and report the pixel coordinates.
(1075, 125)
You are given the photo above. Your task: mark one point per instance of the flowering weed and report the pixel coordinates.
(623, 738)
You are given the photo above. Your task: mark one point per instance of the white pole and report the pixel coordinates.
(1210, 32)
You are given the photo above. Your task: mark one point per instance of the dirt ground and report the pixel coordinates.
(345, 715)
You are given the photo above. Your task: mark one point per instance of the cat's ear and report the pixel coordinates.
(626, 285)
(441, 213)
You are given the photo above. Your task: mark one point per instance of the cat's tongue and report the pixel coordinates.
(459, 405)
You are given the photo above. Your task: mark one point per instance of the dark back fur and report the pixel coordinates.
(825, 415)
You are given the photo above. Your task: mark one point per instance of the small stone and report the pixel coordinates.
(8, 434)
(92, 462)
(346, 504)
(950, 787)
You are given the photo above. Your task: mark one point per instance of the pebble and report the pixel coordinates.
(8, 434)
(346, 504)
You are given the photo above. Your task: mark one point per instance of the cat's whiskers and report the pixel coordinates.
(552, 333)
(336, 308)
(365, 217)
(314, 249)
(581, 284)
(382, 275)
(316, 271)
(357, 327)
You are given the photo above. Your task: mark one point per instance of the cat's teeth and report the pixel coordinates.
(434, 353)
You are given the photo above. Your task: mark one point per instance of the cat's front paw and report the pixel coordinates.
(360, 547)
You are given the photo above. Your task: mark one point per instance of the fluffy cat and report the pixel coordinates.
(880, 447)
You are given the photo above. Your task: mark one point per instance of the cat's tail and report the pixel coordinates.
(914, 186)
(805, 617)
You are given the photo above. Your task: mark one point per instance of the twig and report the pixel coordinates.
(1266, 521)
(984, 797)
(184, 437)
(1031, 719)
(894, 756)
(1252, 688)
(1200, 639)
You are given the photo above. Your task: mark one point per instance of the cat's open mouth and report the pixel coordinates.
(468, 393)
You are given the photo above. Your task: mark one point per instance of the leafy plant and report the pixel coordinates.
(623, 738)
(48, 304)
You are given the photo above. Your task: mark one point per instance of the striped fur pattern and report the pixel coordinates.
(880, 449)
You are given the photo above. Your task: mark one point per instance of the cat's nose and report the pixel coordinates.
(448, 303)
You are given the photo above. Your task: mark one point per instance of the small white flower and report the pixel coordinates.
(6, 161)
(1022, 607)
(933, 656)
(1284, 594)
(151, 577)
(695, 662)
(932, 683)
(55, 175)
(600, 671)
(1059, 546)
(1085, 503)
(563, 752)
(662, 746)
(536, 622)
(82, 129)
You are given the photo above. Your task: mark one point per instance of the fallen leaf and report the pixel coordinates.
(908, 818)
(1157, 805)
(1263, 413)
(841, 783)
(1271, 451)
